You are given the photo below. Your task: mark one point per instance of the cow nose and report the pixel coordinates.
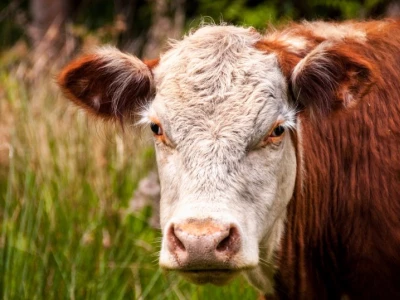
(203, 244)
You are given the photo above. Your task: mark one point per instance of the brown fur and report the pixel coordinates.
(343, 228)
(90, 77)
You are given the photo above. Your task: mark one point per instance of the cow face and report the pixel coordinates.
(223, 126)
(221, 122)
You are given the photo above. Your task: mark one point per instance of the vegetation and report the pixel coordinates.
(67, 227)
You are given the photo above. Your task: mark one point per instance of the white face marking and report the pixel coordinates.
(217, 98)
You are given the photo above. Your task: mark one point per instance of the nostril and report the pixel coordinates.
(174, 242)
(224, 244)
(229, 243)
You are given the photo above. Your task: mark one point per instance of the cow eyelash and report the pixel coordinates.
(157, 130)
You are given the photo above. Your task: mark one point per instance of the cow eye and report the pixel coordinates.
(156, 129)
(278, 131)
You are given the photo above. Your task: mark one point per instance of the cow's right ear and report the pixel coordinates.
(108, 83)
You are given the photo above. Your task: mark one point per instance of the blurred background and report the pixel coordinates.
(78, 198)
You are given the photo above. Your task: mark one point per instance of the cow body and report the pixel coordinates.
(278, 155)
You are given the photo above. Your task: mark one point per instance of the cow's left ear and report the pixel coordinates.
(330, 77)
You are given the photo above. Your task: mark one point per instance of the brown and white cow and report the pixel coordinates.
(278, 154)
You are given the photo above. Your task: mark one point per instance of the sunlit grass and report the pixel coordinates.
(65, 185)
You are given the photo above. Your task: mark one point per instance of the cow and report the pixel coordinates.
(278, 153)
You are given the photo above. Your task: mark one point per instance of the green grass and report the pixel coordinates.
(65, 185)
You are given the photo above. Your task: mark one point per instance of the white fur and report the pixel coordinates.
(217, 98)
(335, 31)
(293, 40)
(129, 69)
(316, 55)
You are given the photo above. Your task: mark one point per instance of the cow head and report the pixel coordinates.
(218, 104)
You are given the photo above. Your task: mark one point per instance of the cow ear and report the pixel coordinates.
(331, 77)
(108, 83)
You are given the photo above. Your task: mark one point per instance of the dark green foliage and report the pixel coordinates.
(95, 14)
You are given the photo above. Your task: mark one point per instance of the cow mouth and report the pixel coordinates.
(213, 276)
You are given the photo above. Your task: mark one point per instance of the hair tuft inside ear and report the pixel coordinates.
(107, 83)
(329, 78)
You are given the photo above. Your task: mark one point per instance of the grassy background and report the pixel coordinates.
(66, 230)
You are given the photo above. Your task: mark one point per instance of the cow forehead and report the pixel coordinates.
(214, 61)
(215, 78)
